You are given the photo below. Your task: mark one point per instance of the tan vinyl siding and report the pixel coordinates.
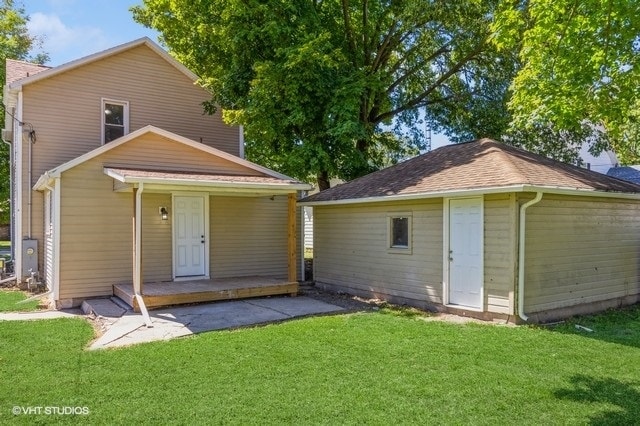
(580, 250)
(65, 112)
(156, 239)
(96, 233)
(350, 250)
(153, 152)
(500, 252)
(248, 236)
(96, 222)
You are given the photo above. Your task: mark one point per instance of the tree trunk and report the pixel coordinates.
(323, 180)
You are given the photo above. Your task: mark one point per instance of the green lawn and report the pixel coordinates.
(9, 299)
(387, 367)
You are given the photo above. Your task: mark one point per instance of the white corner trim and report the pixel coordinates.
(18, 187)
(241, 142)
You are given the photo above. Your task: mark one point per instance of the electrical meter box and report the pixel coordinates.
(29, 257)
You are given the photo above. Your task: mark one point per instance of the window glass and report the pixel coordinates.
(115, 120)
(400, 232)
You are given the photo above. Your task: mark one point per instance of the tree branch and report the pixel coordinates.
(349, 31)
(422, 96)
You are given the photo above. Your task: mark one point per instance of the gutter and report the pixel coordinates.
(521, 258)
(477, 192)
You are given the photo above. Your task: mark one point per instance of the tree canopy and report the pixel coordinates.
(337, 88)
(15, 43)
(579, 70)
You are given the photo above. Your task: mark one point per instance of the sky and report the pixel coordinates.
(72, 29)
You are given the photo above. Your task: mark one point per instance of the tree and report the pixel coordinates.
(580, 68)
(15, 43)
(334, 88)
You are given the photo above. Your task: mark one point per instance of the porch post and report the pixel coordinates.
(137, 252)
(291, 238)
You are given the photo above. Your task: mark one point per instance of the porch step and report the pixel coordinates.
(102, 308)
(124, 305)
(177, 293)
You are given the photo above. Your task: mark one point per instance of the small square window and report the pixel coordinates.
(399, 232)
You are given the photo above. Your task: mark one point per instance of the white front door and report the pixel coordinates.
(465, 252)
(189, 235)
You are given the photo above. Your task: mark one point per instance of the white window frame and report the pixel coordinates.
(391, 248)
(125, 105)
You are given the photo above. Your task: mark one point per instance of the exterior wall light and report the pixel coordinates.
(164, 213)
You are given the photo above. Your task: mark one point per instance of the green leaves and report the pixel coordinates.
(317, 84)
(580, 65)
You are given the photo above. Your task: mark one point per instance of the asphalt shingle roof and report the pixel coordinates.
(17, 70)
(479, 164)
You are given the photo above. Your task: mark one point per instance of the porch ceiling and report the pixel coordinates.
(164, 181)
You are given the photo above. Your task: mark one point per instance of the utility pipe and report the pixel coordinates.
(30, 198)
(521, 244)
(11, 197)
(137, 267)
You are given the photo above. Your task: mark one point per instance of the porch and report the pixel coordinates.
(167, 293)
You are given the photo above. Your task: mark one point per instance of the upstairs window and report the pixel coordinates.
(115, 119)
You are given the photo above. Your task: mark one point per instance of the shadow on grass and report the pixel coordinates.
(620, 326)
(624, 395)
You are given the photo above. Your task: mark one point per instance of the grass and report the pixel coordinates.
(10, 297)
(386, 367)
(5, 244)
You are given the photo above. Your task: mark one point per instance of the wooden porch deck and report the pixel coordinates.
(160, 294)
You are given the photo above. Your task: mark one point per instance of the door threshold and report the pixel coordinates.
(191, 278)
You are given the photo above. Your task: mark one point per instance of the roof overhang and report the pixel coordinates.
(477, 192)
(128, 179)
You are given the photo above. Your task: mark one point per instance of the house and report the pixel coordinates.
(628, 173)
(122, 183)
(482, 229)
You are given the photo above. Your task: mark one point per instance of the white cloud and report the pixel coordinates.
(63, 42)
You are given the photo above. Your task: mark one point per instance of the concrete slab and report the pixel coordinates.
(103, 308)
(300, 307)
(182, 321)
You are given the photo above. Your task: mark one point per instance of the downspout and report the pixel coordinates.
(137, 267)
(521, 258)
(29, 200)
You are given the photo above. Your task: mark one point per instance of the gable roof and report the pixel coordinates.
(16, 70)
(56, 172)
(481, 166)
(144, 41)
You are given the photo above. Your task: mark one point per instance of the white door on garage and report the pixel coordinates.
(465, 252)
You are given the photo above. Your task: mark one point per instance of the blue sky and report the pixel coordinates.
(71, 29)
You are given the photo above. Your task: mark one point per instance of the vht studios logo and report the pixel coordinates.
(50, 410)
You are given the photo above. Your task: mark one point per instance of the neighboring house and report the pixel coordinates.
(482, 229)
(119, 177)
(628, 173)
(600, 163)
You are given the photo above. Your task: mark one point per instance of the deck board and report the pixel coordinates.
(160, 294)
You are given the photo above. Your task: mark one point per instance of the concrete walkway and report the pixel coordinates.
(122, 327)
